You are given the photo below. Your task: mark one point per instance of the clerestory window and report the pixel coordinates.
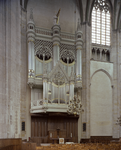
(101, 23)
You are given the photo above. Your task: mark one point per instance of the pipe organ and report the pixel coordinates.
(54, 66)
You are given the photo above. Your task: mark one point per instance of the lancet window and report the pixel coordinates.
(101, 22)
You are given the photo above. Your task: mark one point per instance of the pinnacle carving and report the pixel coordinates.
(31, 14)
(79, 25)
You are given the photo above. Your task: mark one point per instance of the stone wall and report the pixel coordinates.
(45, 10)
(12, 72)
(24, 66)
(101, 99)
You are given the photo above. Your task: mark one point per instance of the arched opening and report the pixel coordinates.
(93, 53)
(100, 105)
(108, 56)
(98, 54)
(103, 55)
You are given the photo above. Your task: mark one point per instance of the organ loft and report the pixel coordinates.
(54, 74)
(60, 71)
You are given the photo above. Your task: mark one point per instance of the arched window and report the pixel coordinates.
(101, 23)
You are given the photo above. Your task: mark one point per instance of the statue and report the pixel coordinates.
(56, 17)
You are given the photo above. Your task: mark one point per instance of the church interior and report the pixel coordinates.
(60, 72)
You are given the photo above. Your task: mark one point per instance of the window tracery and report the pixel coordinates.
(67, 56)
(101, 22)
(67, 51)
(43, 49)
(100, 54)
(43, 53)
(59, 78)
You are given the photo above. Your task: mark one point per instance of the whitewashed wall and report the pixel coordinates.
(101, 102)
(12, 70)
(44, 11)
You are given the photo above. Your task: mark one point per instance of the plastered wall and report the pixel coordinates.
(101, 102)
(45, 10)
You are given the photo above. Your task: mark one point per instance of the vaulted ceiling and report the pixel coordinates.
(85, 9)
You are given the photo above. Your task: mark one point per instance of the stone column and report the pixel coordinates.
(116, 100)
(56, 43)
(86, 78)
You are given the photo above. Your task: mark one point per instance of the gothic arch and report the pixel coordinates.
(118, 25)
(117, 15)
(89, 12)
(101, 99)
(24, 3)
(105, 73)
(80, 9)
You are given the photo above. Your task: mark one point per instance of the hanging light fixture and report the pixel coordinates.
(75, 107)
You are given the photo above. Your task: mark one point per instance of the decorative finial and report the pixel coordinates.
(31, 14)
(56, 17)
(79, 25)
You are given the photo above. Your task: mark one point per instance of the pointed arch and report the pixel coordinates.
(88, 10)
(80, 9)
(101, 99)
(115, 17)
(102, 70)
(92, 4)
(24, 3)
(118, 26)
